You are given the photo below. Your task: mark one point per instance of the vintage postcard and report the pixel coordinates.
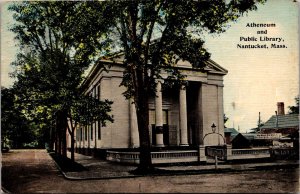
(150, 96)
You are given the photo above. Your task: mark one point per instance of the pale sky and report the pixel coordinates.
(257, 78)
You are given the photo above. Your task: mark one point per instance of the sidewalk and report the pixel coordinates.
(101, 169)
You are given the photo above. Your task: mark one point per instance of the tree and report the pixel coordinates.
(225, 120)
(16, 129)
(295, 109)
(57, 46)
(154, 35)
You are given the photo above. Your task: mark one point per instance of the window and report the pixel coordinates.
(81, 134)
(92, 131)
(85, 132)
(98, 92)
(99, 130)
(94, 92)
(152, 117)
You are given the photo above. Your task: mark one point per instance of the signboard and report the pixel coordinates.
(268, 136)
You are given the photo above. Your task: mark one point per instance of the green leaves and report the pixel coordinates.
(59, 40)
(294, 109)
(171, 24)
(87, 110)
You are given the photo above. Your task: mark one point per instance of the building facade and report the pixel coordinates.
(184, 115)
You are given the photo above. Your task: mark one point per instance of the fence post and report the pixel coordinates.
(202, 157)
(228, 152)
(216, 161)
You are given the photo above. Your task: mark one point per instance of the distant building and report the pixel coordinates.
(240, 141)
(247, 140)
(230, 133)
(285, 124)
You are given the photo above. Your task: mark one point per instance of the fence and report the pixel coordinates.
(250, 153)
(222, 153)
(157, 157)
(284, 153)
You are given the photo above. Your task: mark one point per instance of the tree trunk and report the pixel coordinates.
(64, 143)
(58, 131)
(51, 137)
(56, 142)
(64, 119)
(72, 145)
(61, 128)
(145, 165)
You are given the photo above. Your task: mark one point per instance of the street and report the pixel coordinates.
(34, 171)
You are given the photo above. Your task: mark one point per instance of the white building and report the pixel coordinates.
(185, 114)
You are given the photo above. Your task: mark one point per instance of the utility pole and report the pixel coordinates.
(259, 122)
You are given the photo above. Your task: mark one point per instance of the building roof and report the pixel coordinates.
(230, 130)
(117, 59)
(284, 121)
(240, 141)
(249, 136)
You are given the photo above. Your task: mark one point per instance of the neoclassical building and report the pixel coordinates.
(183, 115)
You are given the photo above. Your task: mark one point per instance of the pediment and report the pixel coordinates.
(211, 66)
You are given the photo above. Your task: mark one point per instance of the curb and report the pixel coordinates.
(3, 190)
(181, 172)
(72, 178)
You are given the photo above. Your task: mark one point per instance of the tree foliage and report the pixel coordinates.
(17, 130)
(295, 109)
(225, 120)
(64, 37)
(155, 35)
(57, 46)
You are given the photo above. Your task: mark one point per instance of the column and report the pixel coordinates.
(134, 136)
(159, 115)
(203, 101)
(183, 116)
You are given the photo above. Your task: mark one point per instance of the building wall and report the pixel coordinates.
(204, 107)
(211, 103)
(116, 134)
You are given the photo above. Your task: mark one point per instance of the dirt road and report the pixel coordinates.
(33, 171)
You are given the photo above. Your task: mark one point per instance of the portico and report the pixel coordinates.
(159, 129)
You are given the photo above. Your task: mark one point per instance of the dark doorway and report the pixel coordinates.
(166, 134)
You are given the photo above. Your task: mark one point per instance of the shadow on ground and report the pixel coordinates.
(66, 164)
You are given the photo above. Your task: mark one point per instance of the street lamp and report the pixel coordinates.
(213, 128)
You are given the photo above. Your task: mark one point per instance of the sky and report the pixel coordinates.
(257, 78)
(8, 48)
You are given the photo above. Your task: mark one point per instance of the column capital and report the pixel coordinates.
(183, 87)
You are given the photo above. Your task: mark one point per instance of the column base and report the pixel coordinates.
(159, 138)
(159, 145)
